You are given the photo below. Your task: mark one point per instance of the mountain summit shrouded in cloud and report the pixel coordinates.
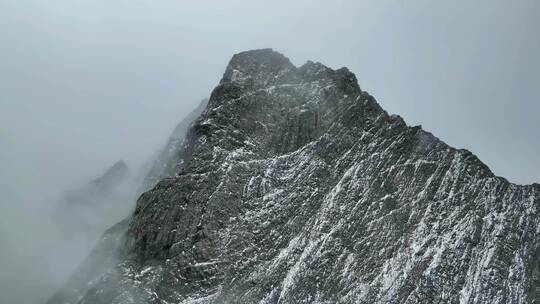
(86, 83)
(295, 186)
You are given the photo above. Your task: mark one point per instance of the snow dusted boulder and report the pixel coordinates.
(295, 186)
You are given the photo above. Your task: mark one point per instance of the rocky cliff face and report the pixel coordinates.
(295, 186)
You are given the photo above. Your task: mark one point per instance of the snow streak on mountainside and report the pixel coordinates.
(295, 186)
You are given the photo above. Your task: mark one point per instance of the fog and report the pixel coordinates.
(86, 83)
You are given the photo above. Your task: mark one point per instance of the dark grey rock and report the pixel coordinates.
(295, 186)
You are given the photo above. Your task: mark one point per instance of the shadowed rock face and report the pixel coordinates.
(294, 186)
(99, 193)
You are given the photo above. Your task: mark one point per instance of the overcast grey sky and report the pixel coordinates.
(101, 80)
(84, 83)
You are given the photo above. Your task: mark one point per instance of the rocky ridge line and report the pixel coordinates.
(295, 186)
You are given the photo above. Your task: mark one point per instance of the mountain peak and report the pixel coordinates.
(270, 106)
(265, 70)
(295, 186)
(116, 171)
(257, 68)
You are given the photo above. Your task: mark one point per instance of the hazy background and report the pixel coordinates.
(85, 83)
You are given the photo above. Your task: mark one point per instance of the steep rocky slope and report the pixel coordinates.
(295, 186)
(109, 250)
(79, 218)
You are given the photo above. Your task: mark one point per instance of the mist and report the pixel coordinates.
(86, 83)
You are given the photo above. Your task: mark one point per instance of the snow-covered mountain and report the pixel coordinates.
(295, 186)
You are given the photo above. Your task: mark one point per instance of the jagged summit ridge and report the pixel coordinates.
(266, 67)
(308, 99)
(294, 186)
(260, 67)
